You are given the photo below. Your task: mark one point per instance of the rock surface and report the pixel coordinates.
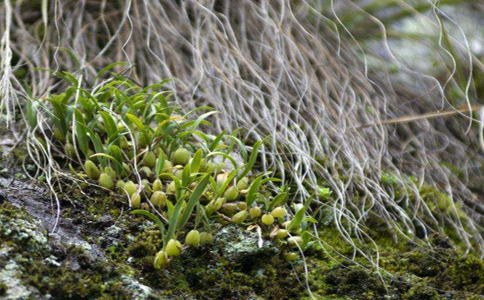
(100, 251)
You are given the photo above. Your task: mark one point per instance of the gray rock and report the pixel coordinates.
(242, 246)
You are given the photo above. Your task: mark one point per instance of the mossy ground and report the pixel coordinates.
(407, 271)
(103, 252)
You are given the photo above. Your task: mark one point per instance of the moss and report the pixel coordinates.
(3, 289)
(467, 274)
(407, 271)
(422, 292)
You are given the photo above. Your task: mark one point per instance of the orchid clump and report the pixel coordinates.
(134, 142)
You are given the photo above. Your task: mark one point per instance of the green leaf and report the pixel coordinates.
(118, 164)
(306, 236)
(216, 141)
(278, 200)
(227, 182)
(178, 185)
(195, 110)
(141, 126)
(225, 155)
(196, 161)
(60, 115)
(311, 220)
(110, 67)
(110, 125)
(32, 112)
(175, 222)
(67, 77)
(170, 209)
(186, 176)
(205, 138)
(72, 55)
(156, 86)
(253, 190)
(117, 154)
(160, 163)
(194, 198)
(252, 159)
(243, 151)
(136, 121)
(96, 141)
(81, 132)
(199, 120)
(298, 217)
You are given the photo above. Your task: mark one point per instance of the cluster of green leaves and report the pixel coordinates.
(135, 142)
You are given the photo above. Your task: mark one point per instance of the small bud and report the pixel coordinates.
(127, 168)
(243, 192)
(178, 173)
(278, 212)
(231, 193)
(145, 172)
(108, 170)
(181, 156)
(282, 233)
(242, 205)
(193, 238)
(135, 200)
(92, 170)
(295, 241)
(69, 150)
(210, 208)
(173, 248)
(267, 219)
(203, 164)
(213, 207)
(255, 212)
(99, 124)
(209, 167)
(89, 154)
(106, 181)
(119, 126)
(286, 224)
(161, 260)
(291, 256)
(124, 143)
(229, 209)
(157, 185)
(158, 199)
(206, 238)
(145, 206)
(130, 188)
(243, 184)
(220, 202)
(167, 169)
(58, 134)
(142, 139)
(240, 217)
(219, 167)
(149, 159)
(120, 184)
(145, 185)
(167, 166)
(171, 188)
